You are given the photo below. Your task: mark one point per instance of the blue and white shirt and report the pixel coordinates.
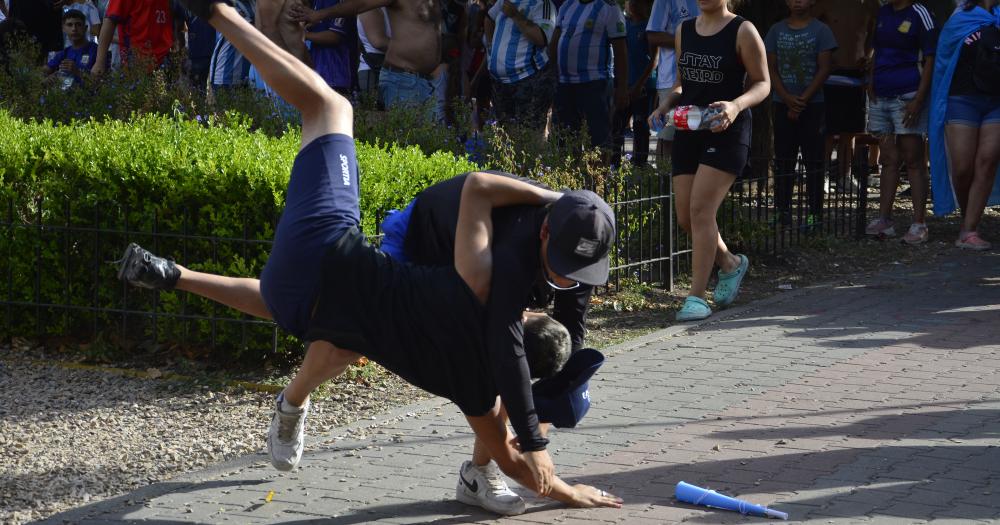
(512, 56)
(584, 47)
(666, 17)
(228, 66)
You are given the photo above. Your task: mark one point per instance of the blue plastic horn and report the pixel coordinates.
(696, 495)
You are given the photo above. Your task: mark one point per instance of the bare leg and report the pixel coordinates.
(962, 141)
(323, 110)
(912, 149)
(481, 455)
(987, 159)
(322, 363)
(708, 190)
(240, 293)
(682, 192)
(890, 175)
(845, 156)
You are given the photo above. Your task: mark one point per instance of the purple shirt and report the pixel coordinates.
(336, 64)
(901, 37)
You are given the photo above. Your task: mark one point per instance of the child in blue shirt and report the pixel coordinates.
(79, 56)
(905, 42)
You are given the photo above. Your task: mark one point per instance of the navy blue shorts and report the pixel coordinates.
(320, 206)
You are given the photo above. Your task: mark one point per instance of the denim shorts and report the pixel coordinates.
(399, 88)
(321, 205)
(885, 117)
(973, 110)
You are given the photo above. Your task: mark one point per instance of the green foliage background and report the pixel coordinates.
(170, 184)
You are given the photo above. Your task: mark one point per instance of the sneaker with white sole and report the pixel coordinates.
(486, 488)
(972, 241)
(917, 234)
(881, 228)
(286, 437)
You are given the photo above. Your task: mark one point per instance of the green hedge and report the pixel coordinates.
(171, 176)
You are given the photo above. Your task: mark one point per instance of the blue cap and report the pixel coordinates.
(564, 398)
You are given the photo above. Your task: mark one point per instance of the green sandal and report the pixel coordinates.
(729, 283)
(695, 309)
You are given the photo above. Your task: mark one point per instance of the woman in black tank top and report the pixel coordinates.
(721, 65)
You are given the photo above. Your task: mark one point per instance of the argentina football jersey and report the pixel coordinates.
(512, 56)
(587, 27)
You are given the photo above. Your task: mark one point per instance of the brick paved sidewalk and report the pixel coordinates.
(872, 403)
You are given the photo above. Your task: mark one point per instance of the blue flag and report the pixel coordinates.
(961, 24)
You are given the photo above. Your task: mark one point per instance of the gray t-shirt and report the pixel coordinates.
(798, 54)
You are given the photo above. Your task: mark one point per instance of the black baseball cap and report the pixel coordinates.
(581, 232)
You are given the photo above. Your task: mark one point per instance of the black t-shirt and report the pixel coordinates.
(421, 322)
(430, 239)
(962, 82)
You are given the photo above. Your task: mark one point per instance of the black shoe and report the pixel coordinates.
(142, 269)
(202, 8)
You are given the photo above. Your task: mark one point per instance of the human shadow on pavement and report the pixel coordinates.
(976, 424)
(892, 476)
(116, 510)
(951, 307)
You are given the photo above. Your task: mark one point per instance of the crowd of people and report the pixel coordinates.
(837, 71)
(442, 302)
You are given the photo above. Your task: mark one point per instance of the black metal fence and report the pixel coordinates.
(652, 247)
(59, 276)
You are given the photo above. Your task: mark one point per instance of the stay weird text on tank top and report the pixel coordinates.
(709, 66)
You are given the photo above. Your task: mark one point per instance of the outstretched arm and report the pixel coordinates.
(491, 431)
(480, 194)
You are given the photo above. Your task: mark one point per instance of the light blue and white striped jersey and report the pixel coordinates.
(666, 17)
(228, 67)
(512, 56)
(586, 30)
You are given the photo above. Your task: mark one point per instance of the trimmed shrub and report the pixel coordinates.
(74, 196)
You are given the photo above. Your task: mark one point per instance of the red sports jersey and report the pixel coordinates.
(147, 26)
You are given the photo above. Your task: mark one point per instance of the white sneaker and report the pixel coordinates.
(486, 488)
(881, 228)
(286, 437)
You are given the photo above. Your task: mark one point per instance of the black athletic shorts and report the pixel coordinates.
(728, 151)
(421, 322)
(846, 109)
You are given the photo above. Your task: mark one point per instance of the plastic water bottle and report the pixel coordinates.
(65, 81)
(686, 118)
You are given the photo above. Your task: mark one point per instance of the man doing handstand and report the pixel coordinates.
(324, 283)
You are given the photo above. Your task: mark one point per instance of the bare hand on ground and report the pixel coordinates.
(589, 497)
